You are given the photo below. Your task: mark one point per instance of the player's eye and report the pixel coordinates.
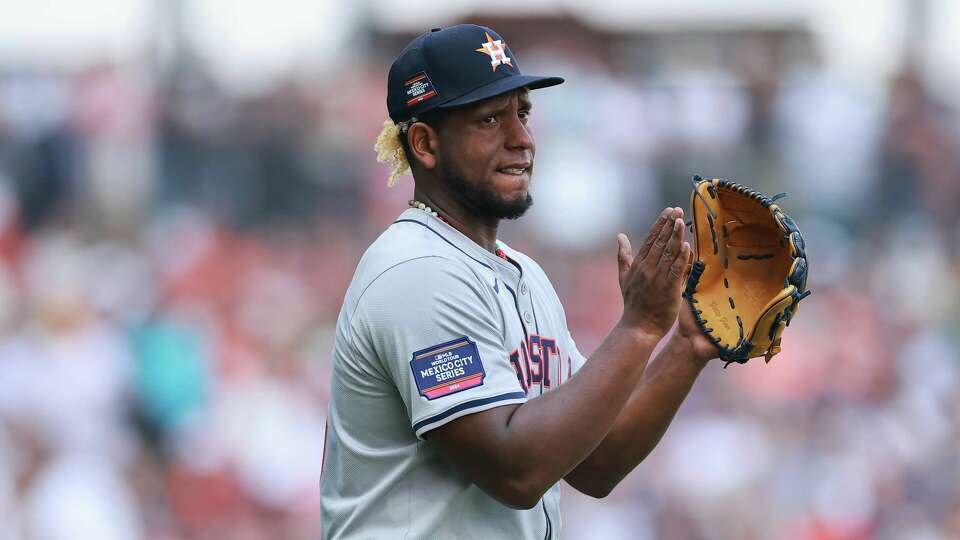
(490, 120)
(524, 114)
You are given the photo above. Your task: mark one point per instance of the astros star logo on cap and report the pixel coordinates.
(497, 50)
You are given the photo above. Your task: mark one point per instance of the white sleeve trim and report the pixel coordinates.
(465, 408)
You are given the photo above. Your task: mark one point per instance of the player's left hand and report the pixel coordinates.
(687, 328)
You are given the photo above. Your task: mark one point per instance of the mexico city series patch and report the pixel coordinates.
(447, 368)
(418, 89)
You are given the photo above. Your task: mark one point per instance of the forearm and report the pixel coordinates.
(559, 429)
(517, 453)
(643, 421)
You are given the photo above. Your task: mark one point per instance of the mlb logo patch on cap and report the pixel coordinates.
(447, 368)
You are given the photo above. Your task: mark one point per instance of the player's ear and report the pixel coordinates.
(423, 144)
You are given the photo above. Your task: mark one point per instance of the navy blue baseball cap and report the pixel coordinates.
(449, 67)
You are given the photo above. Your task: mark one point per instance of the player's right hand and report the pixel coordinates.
(652, 280)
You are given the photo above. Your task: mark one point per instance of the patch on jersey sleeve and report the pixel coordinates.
(447, 368)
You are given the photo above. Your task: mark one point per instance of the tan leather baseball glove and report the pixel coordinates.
(750, 271)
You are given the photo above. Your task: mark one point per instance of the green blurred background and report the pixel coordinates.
(187, 186)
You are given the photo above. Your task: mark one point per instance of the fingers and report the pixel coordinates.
(654, 231)
(672, 248)
(650, 287)
(661, 241)
(624, 255)
(678, 267)
(624, 251)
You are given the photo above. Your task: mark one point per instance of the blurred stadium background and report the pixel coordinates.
(186, 187)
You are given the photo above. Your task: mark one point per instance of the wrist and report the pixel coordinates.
(684, 347)
(640, 333)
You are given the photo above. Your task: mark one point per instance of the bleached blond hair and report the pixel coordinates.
(390, 151)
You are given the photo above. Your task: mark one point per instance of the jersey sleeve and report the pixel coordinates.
(438, 335)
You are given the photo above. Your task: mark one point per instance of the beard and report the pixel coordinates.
(479, 197)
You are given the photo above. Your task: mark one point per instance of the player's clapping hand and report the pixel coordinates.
(652, 280)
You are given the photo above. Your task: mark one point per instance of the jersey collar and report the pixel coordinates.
(458, 239)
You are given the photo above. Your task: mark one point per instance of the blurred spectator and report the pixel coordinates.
(919, 164)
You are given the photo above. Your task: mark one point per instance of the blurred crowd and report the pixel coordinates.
(173, 256)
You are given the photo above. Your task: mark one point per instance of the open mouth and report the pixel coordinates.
(515, 170)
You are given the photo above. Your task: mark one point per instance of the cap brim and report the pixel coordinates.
(502, 86)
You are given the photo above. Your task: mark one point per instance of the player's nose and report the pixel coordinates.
(519, 136)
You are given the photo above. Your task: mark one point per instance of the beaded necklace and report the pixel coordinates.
(417, 204)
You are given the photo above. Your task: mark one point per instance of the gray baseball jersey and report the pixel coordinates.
(433, 328)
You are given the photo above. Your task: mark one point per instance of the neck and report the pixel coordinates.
(481, 230)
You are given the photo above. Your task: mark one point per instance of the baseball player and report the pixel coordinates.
(459, 399)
